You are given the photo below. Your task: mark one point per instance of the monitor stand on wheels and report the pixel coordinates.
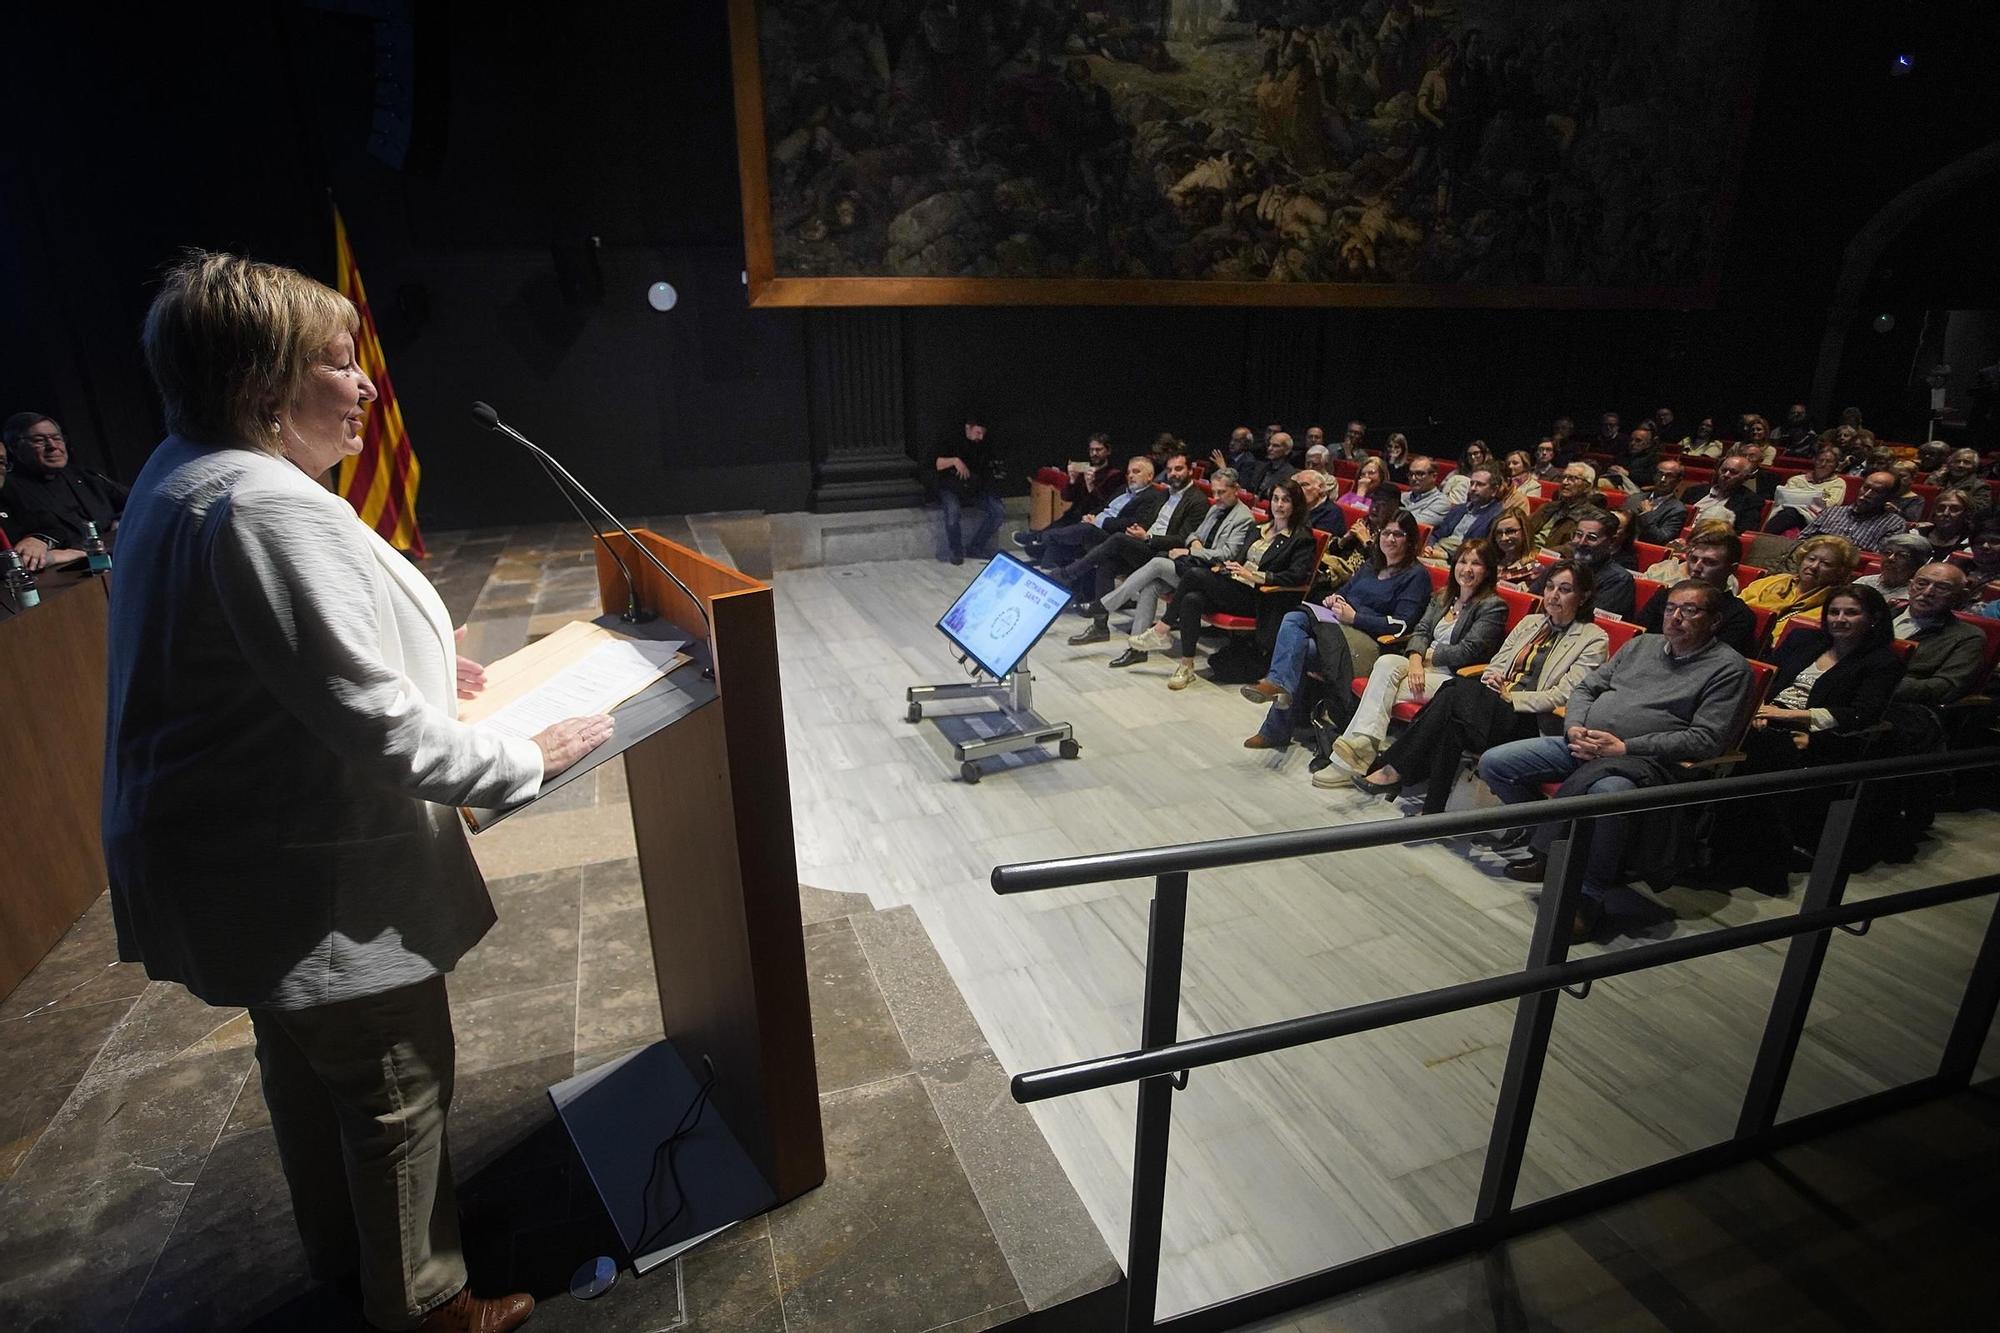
(1015, 727)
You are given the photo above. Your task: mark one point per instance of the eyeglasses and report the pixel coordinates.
(1684, 610)
(39, 440)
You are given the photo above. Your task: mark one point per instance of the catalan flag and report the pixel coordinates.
(380, 481)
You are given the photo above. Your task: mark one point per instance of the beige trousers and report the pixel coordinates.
(358, 1093)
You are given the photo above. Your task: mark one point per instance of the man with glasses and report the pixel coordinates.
(1425, 499)
(1354, 444)
(1869, 521)
(1949, 652)
(1661, 701)
(50, 495)
(1553, 523)
(1591, 544)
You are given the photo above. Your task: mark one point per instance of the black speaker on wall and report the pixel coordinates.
(578, 276)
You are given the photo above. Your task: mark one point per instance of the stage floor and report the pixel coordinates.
(1286, 1164)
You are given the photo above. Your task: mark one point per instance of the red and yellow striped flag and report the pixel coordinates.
(380, 481)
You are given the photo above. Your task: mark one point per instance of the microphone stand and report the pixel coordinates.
(560, 474)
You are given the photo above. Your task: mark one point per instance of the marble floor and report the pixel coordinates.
(1285, 1164)
(138, 1187)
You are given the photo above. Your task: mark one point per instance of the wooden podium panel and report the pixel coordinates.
(52, 658)
(712, 816)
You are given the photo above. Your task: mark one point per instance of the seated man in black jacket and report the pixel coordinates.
(50, 495)
(1137, 503)
(1733, 495)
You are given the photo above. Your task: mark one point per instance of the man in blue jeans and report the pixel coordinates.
(1662, 700)
(966, 475)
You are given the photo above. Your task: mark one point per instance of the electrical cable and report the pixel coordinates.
(689, 1120)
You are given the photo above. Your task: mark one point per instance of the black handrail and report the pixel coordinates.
(1218, 853)
(1161, 1066)
(1268, 1038)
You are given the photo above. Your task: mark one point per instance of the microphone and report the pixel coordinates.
(484, 414)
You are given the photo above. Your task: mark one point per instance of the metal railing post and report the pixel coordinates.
(1975, 1011)
(1166, 930)
(1804, 956)
(1534, 1019)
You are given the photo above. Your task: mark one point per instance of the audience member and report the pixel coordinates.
(1461, 627)
(1660, 700)
(1902, 556)
(1319, 458)
(1134, 506)
(1551, 525)
(1512, 547)
(1281, 557)
(1610, 435)
(1316, 439)
(1732, 495)
(1474, 455)
(1754, 439)
(1519, 486)
(1397, 458)
(1799, 500)
(1340, 637)
(1949, 653)
(1850, 417)
(1868, 522)
(1548, 465)
(1711, 557)
(1641, 462)
(1674, 567)
(1983, 563)
(1276, 468)
(1950, 528)
(1909, 501)
(1223, 535)
(1087, 484)
(1243, 456)
(1832, 680)
(1471, 518)
(1667, 428)
(1371, 477)
(1702, 444)
(1354, 442)
(1593, 545)
(53, 495)
(1165, 445)
(1798, 438)
(1658, 512)
(1563, 444)
(1824, 563)
(1425, 499)
(1091, 574)
(1533, 673)
(1961, 472)
(1321, 509)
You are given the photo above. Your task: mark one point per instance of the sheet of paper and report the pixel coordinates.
(598, 682)
(1321, 613)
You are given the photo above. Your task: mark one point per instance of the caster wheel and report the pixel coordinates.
(1069, 749)
(914, 714)
(969, 773)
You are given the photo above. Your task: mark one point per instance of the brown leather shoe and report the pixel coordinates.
(1257, 742)
(467, 1313)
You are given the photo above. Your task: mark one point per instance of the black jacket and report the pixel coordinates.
(1855, 689)
(1290, 561)
(58, 504)
(1737, 627)
(1187, 517)
(1746, 504)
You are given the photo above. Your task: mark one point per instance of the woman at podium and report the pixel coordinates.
(281, 769)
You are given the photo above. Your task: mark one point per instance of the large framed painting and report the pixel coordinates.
(1292, 152)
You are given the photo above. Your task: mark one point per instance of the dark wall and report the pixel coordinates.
(532, 127)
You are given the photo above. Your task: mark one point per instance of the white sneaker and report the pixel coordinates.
(1152, 640)
(1356, 752)
(1182, 678)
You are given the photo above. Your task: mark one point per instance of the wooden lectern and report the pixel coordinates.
(712, 813)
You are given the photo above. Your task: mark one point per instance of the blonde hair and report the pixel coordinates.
(231, 341)
(1842, 551)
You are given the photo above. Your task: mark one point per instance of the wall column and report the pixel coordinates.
(854, 363)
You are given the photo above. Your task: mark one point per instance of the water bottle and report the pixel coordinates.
(20, 583)
(97, 556)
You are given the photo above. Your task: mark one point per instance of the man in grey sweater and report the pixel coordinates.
(1660, 701)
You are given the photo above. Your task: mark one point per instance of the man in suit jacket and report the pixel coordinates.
(1732, 495)
(1181, 508)
(1474, 518)
(1949, 652)
(1658, 512)
(1590, 545)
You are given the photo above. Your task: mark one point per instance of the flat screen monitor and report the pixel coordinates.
(1002, 612)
